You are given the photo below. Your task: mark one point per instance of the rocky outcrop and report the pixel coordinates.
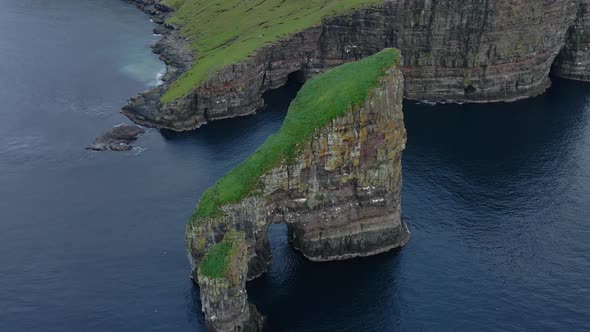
(457, 51)
(222, 282)
(339, 194)
(574, 60)
(118, 138)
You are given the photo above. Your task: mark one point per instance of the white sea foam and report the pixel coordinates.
(137, 150)
(159, 76)
(428, 102)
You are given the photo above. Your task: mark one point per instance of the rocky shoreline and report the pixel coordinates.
(145, 108)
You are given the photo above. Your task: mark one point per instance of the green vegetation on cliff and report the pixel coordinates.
(216, 262)
(321, 99)
(223, 32)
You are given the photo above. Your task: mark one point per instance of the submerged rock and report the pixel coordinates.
(118, 138)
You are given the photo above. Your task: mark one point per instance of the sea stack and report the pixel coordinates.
(332, 173)
(222, 279)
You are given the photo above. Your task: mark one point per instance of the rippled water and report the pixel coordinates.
(497, 198)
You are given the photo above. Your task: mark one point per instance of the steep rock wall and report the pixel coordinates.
(340, 196)
(574, 60)
(459, 51)
(223, 297)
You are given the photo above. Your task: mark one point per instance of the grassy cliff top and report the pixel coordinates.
(223, 32)
(321, 99)
(215, 264)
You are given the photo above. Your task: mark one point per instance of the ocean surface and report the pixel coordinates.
(497, 198)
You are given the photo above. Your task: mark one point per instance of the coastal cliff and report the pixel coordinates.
(455, 51)
(222, 281)
(574, 60)
(332, 173)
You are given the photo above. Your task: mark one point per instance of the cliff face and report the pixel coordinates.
(340, 194)
(461, 50)
(574, 60)
(222, 282)
(341, 197)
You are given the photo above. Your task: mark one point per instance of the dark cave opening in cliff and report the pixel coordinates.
(280, 247)
(470, 89)
(280, 98)
(297, 77)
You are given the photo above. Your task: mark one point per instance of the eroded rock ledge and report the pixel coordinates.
(574, 60)
(456, 51)
(338, 189)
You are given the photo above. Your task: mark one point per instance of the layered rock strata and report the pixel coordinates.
(458, 51)
(222, 282)
(574, 60)
(339, 194)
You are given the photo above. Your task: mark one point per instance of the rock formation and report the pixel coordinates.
(458, 51)
(222, 279)
(574, 60)
(337, 188)
(118, 138)
(173, 49)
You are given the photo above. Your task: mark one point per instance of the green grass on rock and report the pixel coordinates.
(224, 32)
(321, 99)
(216, 261)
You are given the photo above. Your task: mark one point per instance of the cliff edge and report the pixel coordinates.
(231, 52)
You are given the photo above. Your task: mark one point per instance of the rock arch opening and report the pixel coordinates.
(296, 77)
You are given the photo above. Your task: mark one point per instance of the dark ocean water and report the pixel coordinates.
(497, 198)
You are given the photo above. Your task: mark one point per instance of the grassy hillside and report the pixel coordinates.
(224, 32)
(321, 99)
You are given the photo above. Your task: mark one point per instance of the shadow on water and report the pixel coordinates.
(323, 287)
(226, 131)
